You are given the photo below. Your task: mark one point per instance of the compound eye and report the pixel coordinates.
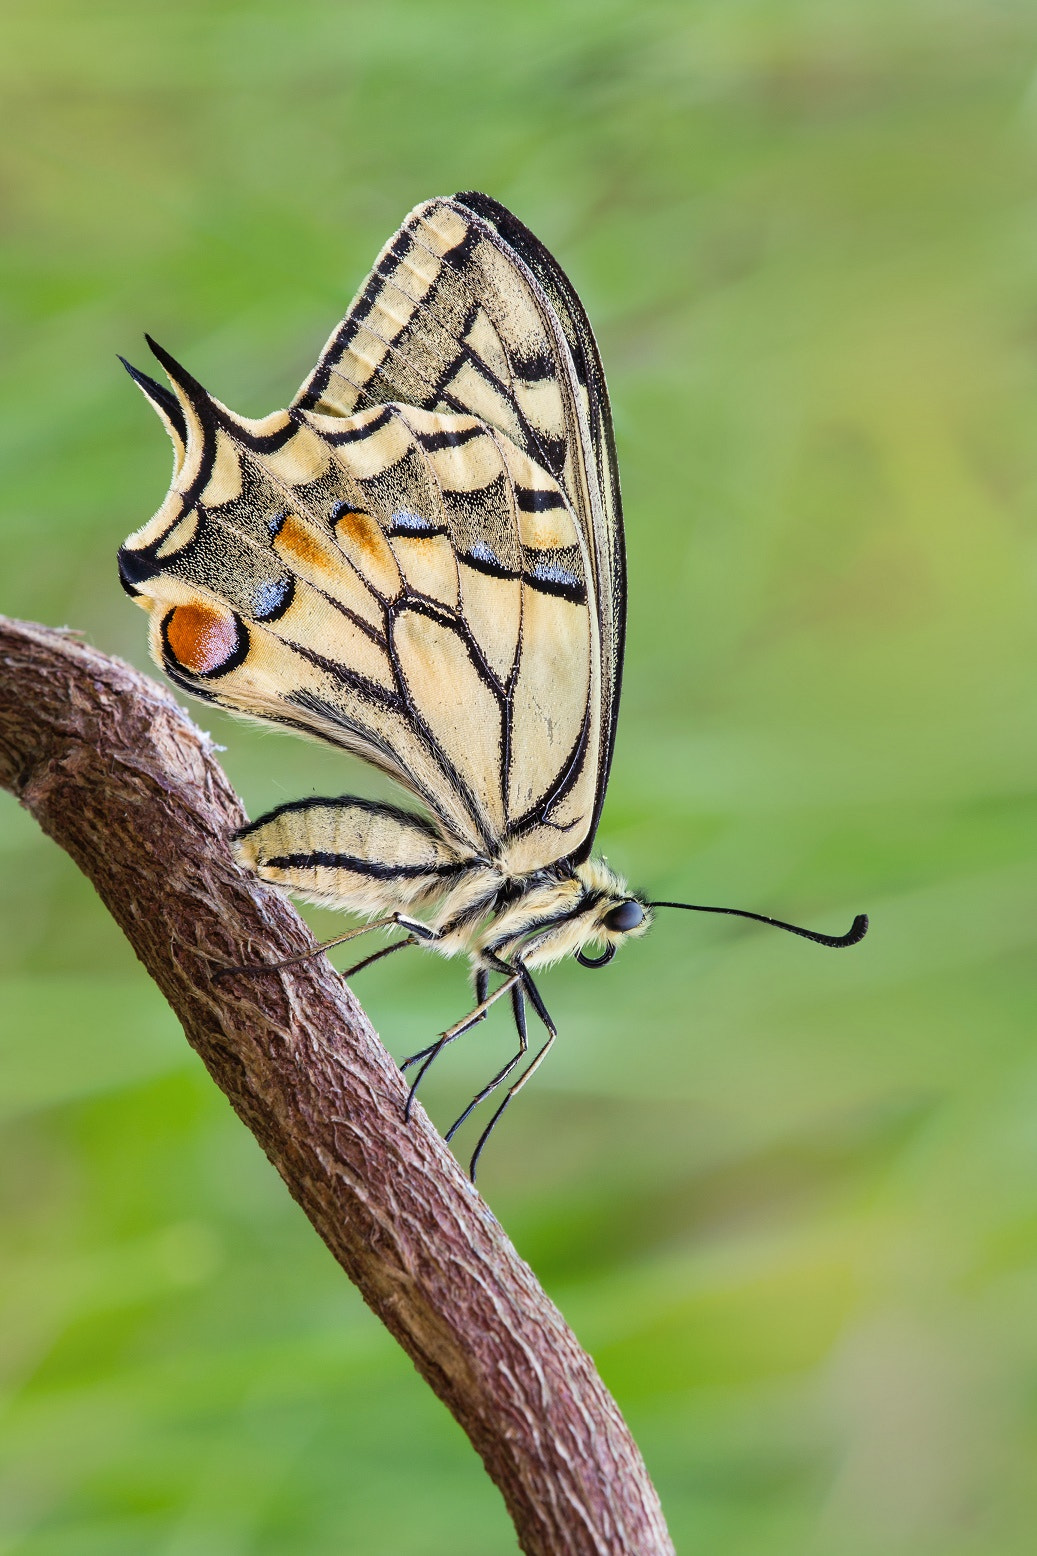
(625, 917)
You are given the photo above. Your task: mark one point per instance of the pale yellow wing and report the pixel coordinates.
(414, 585)
(467, 311)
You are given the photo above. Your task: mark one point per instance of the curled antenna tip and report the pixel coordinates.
(856, 932)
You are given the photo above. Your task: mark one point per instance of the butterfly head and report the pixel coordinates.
(611, 915)
(619, 922)
(587, 912)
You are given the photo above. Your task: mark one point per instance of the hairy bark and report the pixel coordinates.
(115, 772)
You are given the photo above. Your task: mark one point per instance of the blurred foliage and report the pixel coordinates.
(787, 1197)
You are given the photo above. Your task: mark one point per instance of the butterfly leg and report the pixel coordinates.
(430, 1054)
(376, 956)
(416, 931)
(482, 983)
(518, 1003)
(552, 1032)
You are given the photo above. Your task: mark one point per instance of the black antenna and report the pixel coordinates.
(857, 930)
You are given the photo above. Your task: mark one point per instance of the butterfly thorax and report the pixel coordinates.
(543, 918)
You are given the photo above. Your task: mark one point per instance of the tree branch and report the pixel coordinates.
(118, 776)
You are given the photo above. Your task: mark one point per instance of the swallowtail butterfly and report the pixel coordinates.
(421, 561)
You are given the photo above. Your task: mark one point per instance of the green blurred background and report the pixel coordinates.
(787, 1197)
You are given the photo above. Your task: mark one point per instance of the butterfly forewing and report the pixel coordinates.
(466, 310)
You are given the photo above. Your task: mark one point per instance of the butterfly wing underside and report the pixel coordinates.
(421, 559)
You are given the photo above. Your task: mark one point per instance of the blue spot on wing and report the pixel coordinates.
(550, 572)
(406, 523)
(272, 599)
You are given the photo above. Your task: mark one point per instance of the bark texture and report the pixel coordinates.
(119, 777)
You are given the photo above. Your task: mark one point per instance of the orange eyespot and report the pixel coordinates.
(202, 638)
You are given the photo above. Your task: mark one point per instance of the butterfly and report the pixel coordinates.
(421, 561)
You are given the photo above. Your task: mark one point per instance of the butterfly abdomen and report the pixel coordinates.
(351, 853)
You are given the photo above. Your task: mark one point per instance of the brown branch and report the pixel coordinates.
(117, 775)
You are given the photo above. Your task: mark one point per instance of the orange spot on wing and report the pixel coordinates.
(361, 531)
(296, 543)
(361, 540)
(548, 530)
(201, 637)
